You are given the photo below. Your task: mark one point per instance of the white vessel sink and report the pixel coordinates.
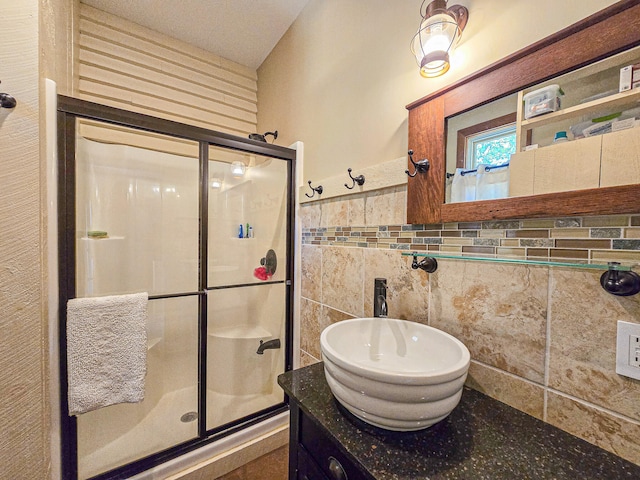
(394, 374)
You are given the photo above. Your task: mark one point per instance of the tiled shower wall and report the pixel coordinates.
(542, 339)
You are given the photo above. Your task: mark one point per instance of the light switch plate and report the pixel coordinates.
(628, 349)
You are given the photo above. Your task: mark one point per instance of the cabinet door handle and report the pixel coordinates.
(336, 469)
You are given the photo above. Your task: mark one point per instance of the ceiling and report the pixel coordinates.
(244, 31)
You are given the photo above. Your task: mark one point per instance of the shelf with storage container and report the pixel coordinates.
(589, 98)
(586, 93)
(614, 100)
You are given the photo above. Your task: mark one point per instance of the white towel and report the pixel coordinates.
(106, 351)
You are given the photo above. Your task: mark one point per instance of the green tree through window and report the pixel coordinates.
(491, 147)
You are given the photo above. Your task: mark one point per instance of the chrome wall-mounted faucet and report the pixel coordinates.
(380, 298)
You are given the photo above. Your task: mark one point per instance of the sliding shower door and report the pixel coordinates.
(137, 223)
(247, 273)
(147, 205)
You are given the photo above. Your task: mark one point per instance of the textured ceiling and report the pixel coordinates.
(244, 31)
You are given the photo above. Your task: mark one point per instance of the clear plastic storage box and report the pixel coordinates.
(541, 101)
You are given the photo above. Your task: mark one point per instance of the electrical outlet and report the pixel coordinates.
(634, 351)
(628, 349)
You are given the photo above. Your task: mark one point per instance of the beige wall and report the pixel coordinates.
(341, 76)
(24, 444)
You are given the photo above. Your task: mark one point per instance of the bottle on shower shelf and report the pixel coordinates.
(240, 232)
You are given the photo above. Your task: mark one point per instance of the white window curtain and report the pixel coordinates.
(482, 184)
(463, 187)
(493, 183)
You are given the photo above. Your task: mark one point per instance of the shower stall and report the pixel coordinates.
(202, 221)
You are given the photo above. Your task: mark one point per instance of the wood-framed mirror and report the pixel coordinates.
(606, 33)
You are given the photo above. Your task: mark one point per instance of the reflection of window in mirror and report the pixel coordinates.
(488, 143)
(483, 136)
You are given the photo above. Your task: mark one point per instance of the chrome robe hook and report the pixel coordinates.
(359, 180)
(316, 189)
(420, 167)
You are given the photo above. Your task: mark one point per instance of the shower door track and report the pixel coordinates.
(70, 109)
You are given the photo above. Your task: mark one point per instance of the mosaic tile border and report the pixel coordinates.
(605, 238)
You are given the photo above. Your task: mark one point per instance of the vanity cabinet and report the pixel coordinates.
(316, 455)
(306, 467)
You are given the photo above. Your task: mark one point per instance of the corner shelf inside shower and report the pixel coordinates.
(101, 239)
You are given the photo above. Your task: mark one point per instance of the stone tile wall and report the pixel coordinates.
(542, 339)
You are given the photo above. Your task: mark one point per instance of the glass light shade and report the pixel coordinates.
(238, 169)
(216, 183)
(434, 42)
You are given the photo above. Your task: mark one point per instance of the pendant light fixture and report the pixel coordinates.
(437, 36)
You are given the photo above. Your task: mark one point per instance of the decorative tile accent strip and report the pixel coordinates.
(487, 242)
(501, 224)
(606, 232)
(568, 222)
(631, 233)
(626, 244)
(608, 221)
(588, 238)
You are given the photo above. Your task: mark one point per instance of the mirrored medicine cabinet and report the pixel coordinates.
(590, 174)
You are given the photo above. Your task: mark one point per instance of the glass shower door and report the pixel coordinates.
(147, 205)
(137, 231)
(247, 289)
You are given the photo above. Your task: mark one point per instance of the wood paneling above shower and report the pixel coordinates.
(125, 65)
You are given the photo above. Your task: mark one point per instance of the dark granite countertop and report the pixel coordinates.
(481, 439)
